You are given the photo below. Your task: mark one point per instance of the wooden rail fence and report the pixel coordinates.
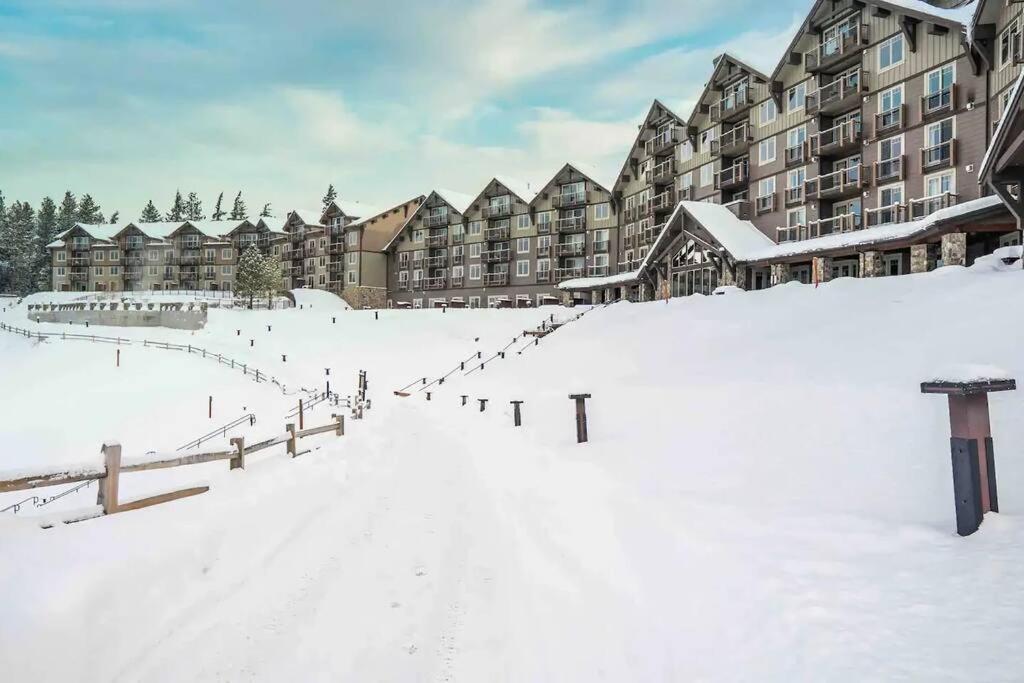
(108, 475)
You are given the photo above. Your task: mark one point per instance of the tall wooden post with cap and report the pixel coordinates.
(581, 416)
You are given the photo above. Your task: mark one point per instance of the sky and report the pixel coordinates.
(131, 100)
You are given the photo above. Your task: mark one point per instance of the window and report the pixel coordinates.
(474, 250)
(602, 212)
(543, 265)
(1004, 101)
(417, 303)
(705, 140)
(474, 271)
(1009, 43)
(766, 112)
(766, 187)
(795, 137)
(98, 256)
(211, 254)
(601, 260)
(706, 174)
(114, 270)
(685, 151)
(457, 271)
(403, 277)
(795, 178)
(544, 218)
(938, 148)
(225, 270)
(417, 235)
(153, 255)
(352, 238)
(61, 256)
(766, 151)
(795, 97)
(403, 259)
(523, 221)
(796, 217)
(890, 158)
(350, 276)
(351, 258)
(599, 236)
(61, 272)
(890, 52)
(939, 80)
(890, 196)
(475, 227)
(153, 271)
(523, 245)
(890, 99)
(98, 270)
(474, 302)
(522, 268)
(939, 184)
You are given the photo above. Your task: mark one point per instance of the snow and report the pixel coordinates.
(457, 200)
(319, 300)
(737, 236)
(599, 282)
(970, 373)
(356, 209)
(309, 216)
(520, 188)
(766, 495)
(961, 15)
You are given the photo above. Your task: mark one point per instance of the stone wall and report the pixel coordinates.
(181, 316)
(871, 264)
(954, 249)
(365, 297)
(919, 258)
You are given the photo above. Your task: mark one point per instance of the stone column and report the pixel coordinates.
(780, 273)
(821, 267)
(954, 249)
(871, 264)
(726, 279)
(740, 278)
(919, 258)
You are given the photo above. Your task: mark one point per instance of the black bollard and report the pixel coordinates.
(284, 358)
(464, 397)
(517, 417)
(428, 395)
(581, 416)
(483, 404)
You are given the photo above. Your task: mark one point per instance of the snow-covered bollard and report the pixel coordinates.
(516, 415)
(973, 456)
(483, 404)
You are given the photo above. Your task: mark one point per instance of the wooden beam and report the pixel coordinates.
(1012, 155)
(937, 30)
(161, 498)
(909, 27)
(51, 479)
(880, 12)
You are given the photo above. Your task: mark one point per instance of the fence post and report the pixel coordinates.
(340, 419)
(209, 408)
(238, 462)
(118, 358)
(581, 416)
(302, 421)
(428, 395)
(517, 416)
(464, 397)
(483, 404)
(290, 428)
(107, 493)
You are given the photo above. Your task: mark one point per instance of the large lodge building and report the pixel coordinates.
(860, 155)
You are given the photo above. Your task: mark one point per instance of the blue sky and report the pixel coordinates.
(132, 99)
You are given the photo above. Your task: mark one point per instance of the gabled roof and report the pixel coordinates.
(218, 228)
(380, 230)
(520, 189)
(1006, 124)
(446, 196)
(957, 19)
(578, 170)
(308, 216)
(270, 223)
(656, 107)
(353, 209)
(720, 62)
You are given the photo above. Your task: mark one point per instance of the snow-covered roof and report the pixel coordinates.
(457, 200)
(309, 216)
(868, 236)
(738, 237)
(961, 15)
(520, 188)
(599, 282)
(1002, 129)
(98, 231)
(357, 209)
(591, 172)
(215, 228)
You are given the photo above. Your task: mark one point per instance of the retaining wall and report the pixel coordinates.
(181, 316)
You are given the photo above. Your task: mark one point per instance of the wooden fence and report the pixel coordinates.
(108, 475)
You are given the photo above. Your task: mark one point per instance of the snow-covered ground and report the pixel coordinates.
(766, 496)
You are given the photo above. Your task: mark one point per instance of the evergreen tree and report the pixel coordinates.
(218, 213)
(265, 213)
(271, 279)
(194, 208)
(251, 276)
(177, 212)
(150, 214)
(6, 256)
(67, 215)
(20, 238)
(115, 217)
(46, 232)
(88, 211)
(330, 196)
(238, 211)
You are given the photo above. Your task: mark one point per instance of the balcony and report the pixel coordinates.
(732, 176)
(796, 155)
(847, 222)
(920, 208)
(733, 142)
(569, 273)
(686, 193)
(664, 141)
(663, 172)
(496, 255)
(458, 237)
(79, 261)
(543, 252)
(883, 215)
(293, 271)
(837, 52)
(458, 281)
(417, 284)
(336, 267)
(571, 224)
(458, 259)
(602, 247)
(839, 140)
(435, 220)
(543, 276)
(665, 201)
(733, 106)
(942, 155)
(648, 235)
(417, 263)
(436, 261)
(336, 248)
(568, 199)
(435, 282)
(890, 169)
(597, 271)
(939, 103)
(499, 279)
(497, 210)
(845, 182)
(310, 269)
(838, 96)
(571, 249)
(890, 120)
(765, 204)
(793, 233)
(496, 234)
(78, 276)
(438, 240)
(798, 195)
(544, 228)
(294, 255)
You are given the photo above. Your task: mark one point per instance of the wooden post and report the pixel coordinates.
(376, 315)
(107, 494)
(118, 358)
(581, 416)
(209, 408)
(252, 343)
(428, 395)
(517, 416)
(483, 404)
(284, 358)
(340, 419)
(290, 428)
(464, 397)
(238, 462)
(302, 421)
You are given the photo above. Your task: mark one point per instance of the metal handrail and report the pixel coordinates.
(221, 431)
